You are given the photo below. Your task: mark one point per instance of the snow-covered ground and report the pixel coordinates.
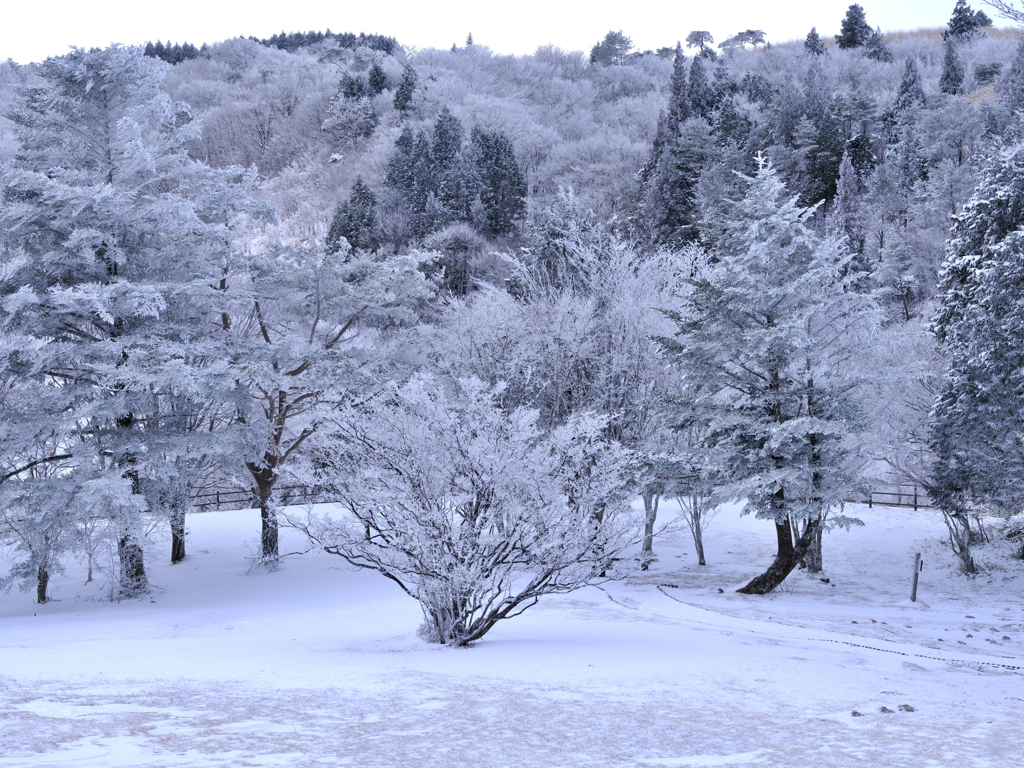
(318, 665)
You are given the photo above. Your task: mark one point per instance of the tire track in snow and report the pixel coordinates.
(954, 662)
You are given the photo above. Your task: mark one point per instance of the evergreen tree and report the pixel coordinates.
(909, 97)
(701, 94)
(406, 89)
(126, 235)
(876, 48)
(377, 80)
(703, 40)
(612, 50)
(763, 345)
(353, 88)
(409, 170)
(454, 183)
(846, 221)
(855, 31)
(355, 221)
(1011, 86)
(964, 23)
(679, 108)
(813, 44)
(976, 421)
(858, 149)
(501, 183)
(823, 161)
(952, 79)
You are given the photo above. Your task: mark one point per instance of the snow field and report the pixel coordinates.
(318, 665)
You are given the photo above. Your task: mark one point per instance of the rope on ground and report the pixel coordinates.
(954, 662)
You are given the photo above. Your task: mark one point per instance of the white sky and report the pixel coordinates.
(32, 30)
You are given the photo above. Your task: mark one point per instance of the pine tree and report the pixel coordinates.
(703, 40)
(976, 420)
(502, 186)
(612, 50)
(120, 279)
(355, 221)
(454, 181)
(813, 44)
(855, 30)
(858, 149)
(406, 89)
(1011, 86)
(679, 108)
(701, 94)
(377, 80)
(762, 340)
(964, 23)
(909, 97)
(952, 79)
(876, 48)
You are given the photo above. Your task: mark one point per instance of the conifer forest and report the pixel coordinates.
(477, 331)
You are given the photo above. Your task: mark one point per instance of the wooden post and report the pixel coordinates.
(918, 567)
(915, 498)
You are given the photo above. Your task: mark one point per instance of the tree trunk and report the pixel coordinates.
(42, 581)
(133, 571)
(177, 534)
(265, 479)
(785, 561)
(959, 527)
(650, 497)
(813, 559)
(697, 528)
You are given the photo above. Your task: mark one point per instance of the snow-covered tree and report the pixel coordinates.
(766, 343)
(965, 23)
(976, 421)
(113, 237)
(952, 79)
(813, 44)
(304, 335)
(855, 30)
(471, 509)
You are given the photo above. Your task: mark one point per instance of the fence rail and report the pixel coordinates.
(911, 496)
(246, 499)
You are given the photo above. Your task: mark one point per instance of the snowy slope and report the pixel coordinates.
(319, 665)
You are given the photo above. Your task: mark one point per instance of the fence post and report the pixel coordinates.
(915, 498)
(871, 498)
(918, 566)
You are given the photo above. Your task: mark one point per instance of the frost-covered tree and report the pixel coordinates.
(115, 237)
(1011, 85)
(952, 79)
(855, 30)
(976, 421)
(965, 23)
(765, 344)
(502, 185)
(910, 97)
(876, 47)
(406, 89)
(304, 339)
(471, 509)
(813, 44)
(612, 50)
(702, 40)
(355, 221)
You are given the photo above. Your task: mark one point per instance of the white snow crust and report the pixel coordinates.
(320, 665)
